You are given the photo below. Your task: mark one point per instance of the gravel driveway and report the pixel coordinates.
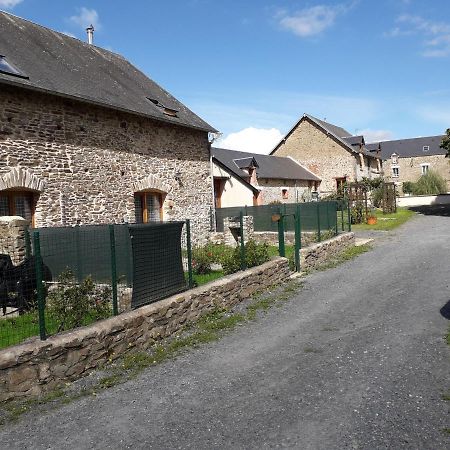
(355, 360)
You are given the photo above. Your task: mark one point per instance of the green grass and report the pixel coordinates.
(387, 222)
(207, 278)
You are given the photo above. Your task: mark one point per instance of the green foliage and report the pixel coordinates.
(73, 304)
(255, 255)
(357, 213)
(202, 258)
(373, 183)
(430, 184)
(408, 187)
(445, 144)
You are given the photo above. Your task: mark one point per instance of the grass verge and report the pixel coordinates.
(386, 222)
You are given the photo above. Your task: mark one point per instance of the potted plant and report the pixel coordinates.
(371, 218)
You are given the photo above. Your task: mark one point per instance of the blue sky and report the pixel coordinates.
(252, 68)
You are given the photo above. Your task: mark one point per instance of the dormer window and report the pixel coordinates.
(426, 148)
(9, 69)
(394, 158)
(166, 110)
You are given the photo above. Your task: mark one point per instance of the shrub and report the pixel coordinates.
(202, 258)
(73, 304)
(430, 184)
(255, 255)
(408, 187)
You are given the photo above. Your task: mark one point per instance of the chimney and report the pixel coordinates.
(90, 34)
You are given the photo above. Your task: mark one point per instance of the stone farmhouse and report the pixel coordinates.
(85, 137)
(330, 152)
(409, 159)
(250, 179)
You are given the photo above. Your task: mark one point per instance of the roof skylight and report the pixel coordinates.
(9, 69)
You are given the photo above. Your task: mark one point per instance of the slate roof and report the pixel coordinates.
(340, 134)
(58, 64)
(354, 140)
(409, 148)
(268, 166)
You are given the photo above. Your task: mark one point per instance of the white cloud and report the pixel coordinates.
(376, 135)
(438, 114)
(312, 21)
(86, 17)
(253, 140)
(436, 35)
(9, 4)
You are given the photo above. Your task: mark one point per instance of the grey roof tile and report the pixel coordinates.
(61, 65)
(268, 166)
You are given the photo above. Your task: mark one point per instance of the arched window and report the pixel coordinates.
(148, 206)
(18, 202)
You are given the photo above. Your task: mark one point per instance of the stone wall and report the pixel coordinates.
(318, 254)
(324, 156)
(272, 190)
(86, 162)
(410, 169)
(12, 237)
(31, 369)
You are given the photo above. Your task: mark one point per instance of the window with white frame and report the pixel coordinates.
(394, 158)
(426, 148)
(395, 172)
(425, 168)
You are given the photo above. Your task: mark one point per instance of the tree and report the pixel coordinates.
(445, 144)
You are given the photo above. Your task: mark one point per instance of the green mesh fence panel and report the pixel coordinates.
(86, 251)
(157, 262)
(262, 216)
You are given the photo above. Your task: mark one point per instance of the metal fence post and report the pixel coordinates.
(112, 244)
(189, 253)
(241, 233)
(298, 237)
(281, 246)
(328, 215)
(319, 237)
(349, 214)
(335, 213)
(39, 286)
(342, 215)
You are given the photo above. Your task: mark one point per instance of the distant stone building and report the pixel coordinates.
(330, 152)
(85, 137)
(248, 179)
(409, 159)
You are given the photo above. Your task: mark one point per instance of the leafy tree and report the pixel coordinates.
(445, 144)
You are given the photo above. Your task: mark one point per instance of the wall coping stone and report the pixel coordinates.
(11, 356)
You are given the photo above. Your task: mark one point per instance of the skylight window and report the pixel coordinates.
(9, 69)
(165, 109)
(426, 148)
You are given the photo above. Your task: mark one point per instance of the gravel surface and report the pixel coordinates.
(356, 360)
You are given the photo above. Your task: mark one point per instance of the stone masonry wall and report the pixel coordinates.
(31, 369)
(410, 168)
(323, 155)
(91, 160)
(317, 254)
(12, 237)
(271, 190)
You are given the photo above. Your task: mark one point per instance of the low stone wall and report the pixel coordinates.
(30, 369)
(317, 254)
(271, 237)
(423, 200)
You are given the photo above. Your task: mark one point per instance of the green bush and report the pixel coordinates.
(430, 184)
(255, 255)
(202, 258)
(408, 187)
(73, 304)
